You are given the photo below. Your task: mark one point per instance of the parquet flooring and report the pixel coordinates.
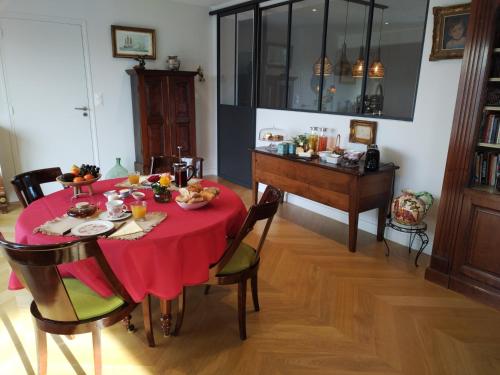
(323, 311)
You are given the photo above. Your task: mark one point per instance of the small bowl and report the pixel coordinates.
(333, 159)
(124, 193)
(138, 196)
(82, 205)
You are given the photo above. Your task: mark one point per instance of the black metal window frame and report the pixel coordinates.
(258, 48)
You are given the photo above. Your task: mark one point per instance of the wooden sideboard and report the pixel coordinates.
(348, 189)
(164, 114)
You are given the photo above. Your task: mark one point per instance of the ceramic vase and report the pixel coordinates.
(410, 208)
(117, 171)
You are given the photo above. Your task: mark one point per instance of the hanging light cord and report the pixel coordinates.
(380, 33)
(346, 17)
(364, 28)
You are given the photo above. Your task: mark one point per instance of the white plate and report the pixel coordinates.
(92, 228)
(192, 206)
(104, 216)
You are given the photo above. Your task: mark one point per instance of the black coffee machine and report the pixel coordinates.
(372, 159)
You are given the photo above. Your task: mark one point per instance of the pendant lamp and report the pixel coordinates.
(358, 68)
(327, 69)
(343, 66)
(377, 70)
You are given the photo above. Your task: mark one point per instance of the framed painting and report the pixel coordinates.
(362, 131)
(131, 42)
(450, 31)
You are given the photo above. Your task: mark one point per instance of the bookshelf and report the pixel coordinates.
(465, 254)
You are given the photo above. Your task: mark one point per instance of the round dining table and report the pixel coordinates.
(176, 253)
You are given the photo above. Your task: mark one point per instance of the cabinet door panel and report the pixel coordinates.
(158, 137)
(477, 254)
(182, 114)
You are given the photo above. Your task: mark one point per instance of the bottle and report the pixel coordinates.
(323, 139)
(117, 171)
(313, 139)
(372, 160)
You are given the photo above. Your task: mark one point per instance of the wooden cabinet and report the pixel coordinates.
(164, 114)
(466, 251)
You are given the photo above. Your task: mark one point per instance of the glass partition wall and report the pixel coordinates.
(313, 56)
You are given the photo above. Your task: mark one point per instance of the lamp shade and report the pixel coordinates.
(358, 68)
(376, 70)
(327, 70)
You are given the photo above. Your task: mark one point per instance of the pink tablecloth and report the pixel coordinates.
(174, 254)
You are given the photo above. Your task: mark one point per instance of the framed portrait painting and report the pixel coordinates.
(130, 42)
(450, 31)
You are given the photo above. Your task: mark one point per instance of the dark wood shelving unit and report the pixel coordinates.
(466, 251)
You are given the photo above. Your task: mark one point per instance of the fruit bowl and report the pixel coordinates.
(77, 186)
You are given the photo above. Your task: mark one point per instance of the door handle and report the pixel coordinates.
(85, 108)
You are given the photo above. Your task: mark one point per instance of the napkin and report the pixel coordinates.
(59, 226)
(130, 228)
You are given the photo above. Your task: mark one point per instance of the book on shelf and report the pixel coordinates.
(490, 129)
(486, 168)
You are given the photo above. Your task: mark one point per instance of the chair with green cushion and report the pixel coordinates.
(240, 261)
(66, 306)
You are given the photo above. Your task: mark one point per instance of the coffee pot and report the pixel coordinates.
(182, 172)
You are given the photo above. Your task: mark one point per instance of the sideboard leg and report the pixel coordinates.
(381, 223)
(166, 316)
(353, 230)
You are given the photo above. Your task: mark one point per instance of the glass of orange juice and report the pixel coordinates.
(139, 209)
(133, 178)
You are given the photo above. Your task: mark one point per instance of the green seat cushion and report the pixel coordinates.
(87, 303)
(243, 258)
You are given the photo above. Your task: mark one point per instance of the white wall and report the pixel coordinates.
(418, 147)
(183, 30)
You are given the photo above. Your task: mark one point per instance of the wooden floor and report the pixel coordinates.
(323, 311)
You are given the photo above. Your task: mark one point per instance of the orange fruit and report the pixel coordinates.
(78, 179)
(88, 177)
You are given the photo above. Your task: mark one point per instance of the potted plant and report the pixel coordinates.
(160, 190)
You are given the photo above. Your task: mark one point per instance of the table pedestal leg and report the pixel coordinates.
(166, 316)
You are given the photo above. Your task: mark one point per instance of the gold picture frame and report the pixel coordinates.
(132, 42)
(362, 131)
(450, 31)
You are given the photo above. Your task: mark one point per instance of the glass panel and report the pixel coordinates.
(227, 39)
(305, 50)
(274, 32)
(244, 58)
(395, 55)
(346, 37)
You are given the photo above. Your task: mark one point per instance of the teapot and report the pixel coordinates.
(181, 173)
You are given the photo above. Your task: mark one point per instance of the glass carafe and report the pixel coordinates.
(313, 139)
(323, 139)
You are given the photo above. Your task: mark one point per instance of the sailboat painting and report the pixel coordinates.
(131, 42)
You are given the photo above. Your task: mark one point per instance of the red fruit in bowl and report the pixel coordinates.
(154, 178)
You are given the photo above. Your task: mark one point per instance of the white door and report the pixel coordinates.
(45, 76)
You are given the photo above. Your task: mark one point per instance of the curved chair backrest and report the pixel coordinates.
(163, 164)
(36, 268)
(27, 184)
(264, 210)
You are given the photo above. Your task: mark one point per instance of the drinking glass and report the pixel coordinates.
(139, 209)
(133, 178)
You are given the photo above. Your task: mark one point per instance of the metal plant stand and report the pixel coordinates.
(414, 231)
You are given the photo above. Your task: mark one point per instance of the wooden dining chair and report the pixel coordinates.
(240, 261)
(27, 184)
(66, 306)
(163, 164)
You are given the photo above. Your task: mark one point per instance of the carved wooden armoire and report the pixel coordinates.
(466, 252)
(164, 114)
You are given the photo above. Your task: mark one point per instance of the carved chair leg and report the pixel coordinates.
(41, 350)
(127, 323)
(96, 343)
(207, 289)
(242, 298)
(148, 324)
(255, 294)
(166, 316)
(181, 307)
